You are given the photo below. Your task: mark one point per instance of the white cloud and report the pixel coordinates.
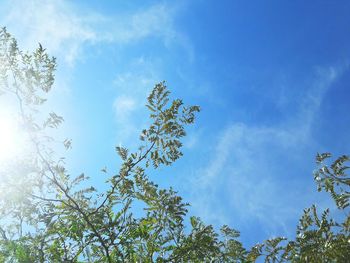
(64, 29)
(55, 24)
(155, 21)
(324, 78)
(123, 107)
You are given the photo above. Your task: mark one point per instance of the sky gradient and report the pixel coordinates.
(271, 77)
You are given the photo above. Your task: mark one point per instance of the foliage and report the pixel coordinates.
(47, 216)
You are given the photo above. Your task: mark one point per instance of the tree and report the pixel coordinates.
(48, 216)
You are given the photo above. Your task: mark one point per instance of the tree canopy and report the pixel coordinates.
(47, 215)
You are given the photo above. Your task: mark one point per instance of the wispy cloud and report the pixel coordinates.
(154, 21)
(132, 87)
(55, 24)
(123, 106)
(64, 29)
(250, 166)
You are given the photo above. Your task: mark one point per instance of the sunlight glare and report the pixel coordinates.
(11, 138)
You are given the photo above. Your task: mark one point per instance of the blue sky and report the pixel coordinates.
(272, 79)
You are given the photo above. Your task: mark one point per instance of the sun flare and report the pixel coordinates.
(11, 137)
